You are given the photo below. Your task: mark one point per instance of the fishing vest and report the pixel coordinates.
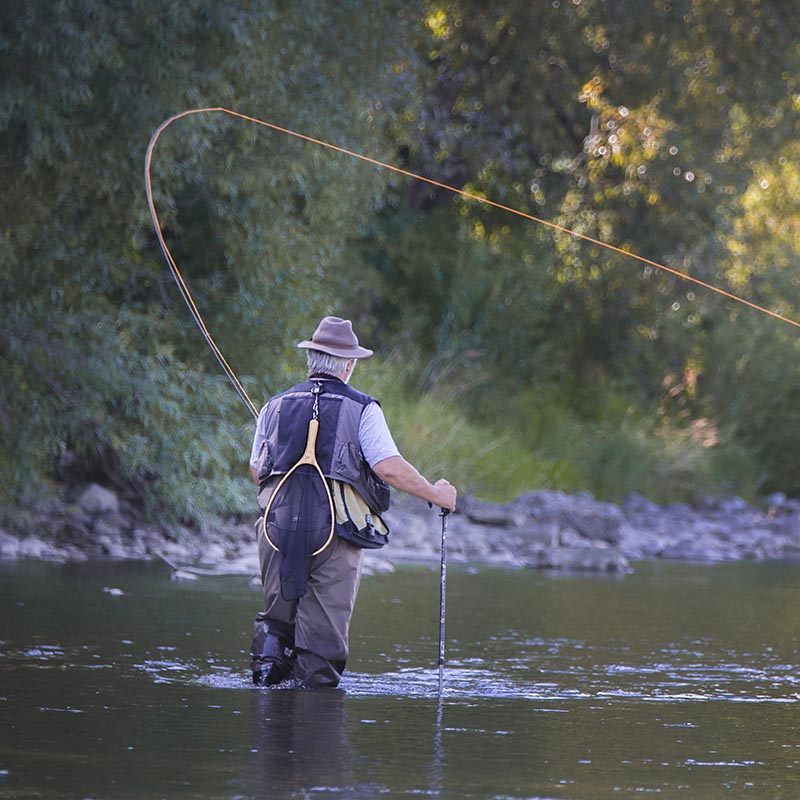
(338, 452)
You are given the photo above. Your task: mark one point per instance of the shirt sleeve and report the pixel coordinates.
(374, 436)
(259, 438)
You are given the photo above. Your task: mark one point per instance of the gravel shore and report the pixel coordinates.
(540, 529)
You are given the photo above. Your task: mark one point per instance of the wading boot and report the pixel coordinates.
(272, 663)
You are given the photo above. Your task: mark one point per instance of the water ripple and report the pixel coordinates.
(546, 670)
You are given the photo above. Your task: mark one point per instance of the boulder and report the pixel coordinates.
(112, 546)
(545, 533)
(601, 521)
(32, 547)
(639, 544)
(636, 503)
(246, 563)
(759, 544)
(376, 564)
(569, 537)
(703, 548)
(591, 518)
(181, 575)
(733, 505)
(97, 500)
(502, 515)
(105, 527)
(213, 553)
(415, 533)
(9, 546)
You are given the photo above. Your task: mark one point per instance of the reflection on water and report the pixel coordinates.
(678, 680)
(300, 741)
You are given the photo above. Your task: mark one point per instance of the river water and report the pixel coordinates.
(679, 681)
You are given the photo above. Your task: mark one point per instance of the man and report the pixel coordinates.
(303, 631)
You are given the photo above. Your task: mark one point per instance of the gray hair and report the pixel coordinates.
(326, 363)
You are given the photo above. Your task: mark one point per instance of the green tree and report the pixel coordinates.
(102, 373)
(635, 124)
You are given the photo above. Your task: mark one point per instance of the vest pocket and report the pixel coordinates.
(347, 462)
(264, 463)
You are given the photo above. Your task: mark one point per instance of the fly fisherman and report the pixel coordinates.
(309, 594)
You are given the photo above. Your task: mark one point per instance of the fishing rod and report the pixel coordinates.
(187, 296)
(442, 591)
(176, 273)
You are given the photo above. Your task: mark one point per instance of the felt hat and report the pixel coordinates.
(335, 336)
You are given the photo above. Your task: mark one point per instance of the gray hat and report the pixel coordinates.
(335, 336)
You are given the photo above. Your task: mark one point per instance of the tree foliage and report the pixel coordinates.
(103, 374)
(669, 129)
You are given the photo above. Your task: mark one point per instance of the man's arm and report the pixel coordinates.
(399, 474)
(254, 473)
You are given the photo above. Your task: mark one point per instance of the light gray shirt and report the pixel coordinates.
(374, 437)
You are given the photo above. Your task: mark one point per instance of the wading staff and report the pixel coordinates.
(442, 589)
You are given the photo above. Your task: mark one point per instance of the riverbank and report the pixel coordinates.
(540, 529)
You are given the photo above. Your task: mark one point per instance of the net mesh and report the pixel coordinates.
(298, 524)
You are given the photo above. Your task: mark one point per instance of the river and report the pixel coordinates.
(678, 681)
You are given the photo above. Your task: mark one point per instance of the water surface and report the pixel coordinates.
(677, 681)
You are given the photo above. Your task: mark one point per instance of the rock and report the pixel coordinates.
(213, 553)
(375, 564)
(75, 554)
(180, 575)
(494, 514)
(112, 547)
(571, 538)
(550, 529)
(591, 518)
(175, 551)
(541, 532)
(113, 524)
(704, 548)
(9, 546)
(246, 563)
(31, 547)
(96, 500)
(732, 505)
(779, 504)
(601, 521)
(776, 499)
(636, 503)
(584, 559)
(640, 544)
(147, 541)
(704, 502)
(77, 523)
(414, 533)
(759, 544)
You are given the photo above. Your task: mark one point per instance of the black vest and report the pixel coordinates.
(338, 452)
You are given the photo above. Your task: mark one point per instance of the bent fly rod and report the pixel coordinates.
(187, 295)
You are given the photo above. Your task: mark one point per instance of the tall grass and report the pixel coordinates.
(538, 439)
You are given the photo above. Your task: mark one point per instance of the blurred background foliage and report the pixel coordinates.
(511, 356)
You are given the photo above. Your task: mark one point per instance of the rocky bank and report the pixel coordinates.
(540, 529)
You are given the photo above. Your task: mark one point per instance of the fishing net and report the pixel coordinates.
(298, 521)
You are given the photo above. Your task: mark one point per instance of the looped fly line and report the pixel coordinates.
(187, 296)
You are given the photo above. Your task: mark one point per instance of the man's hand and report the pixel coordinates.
(399, 474)
(446, 494)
